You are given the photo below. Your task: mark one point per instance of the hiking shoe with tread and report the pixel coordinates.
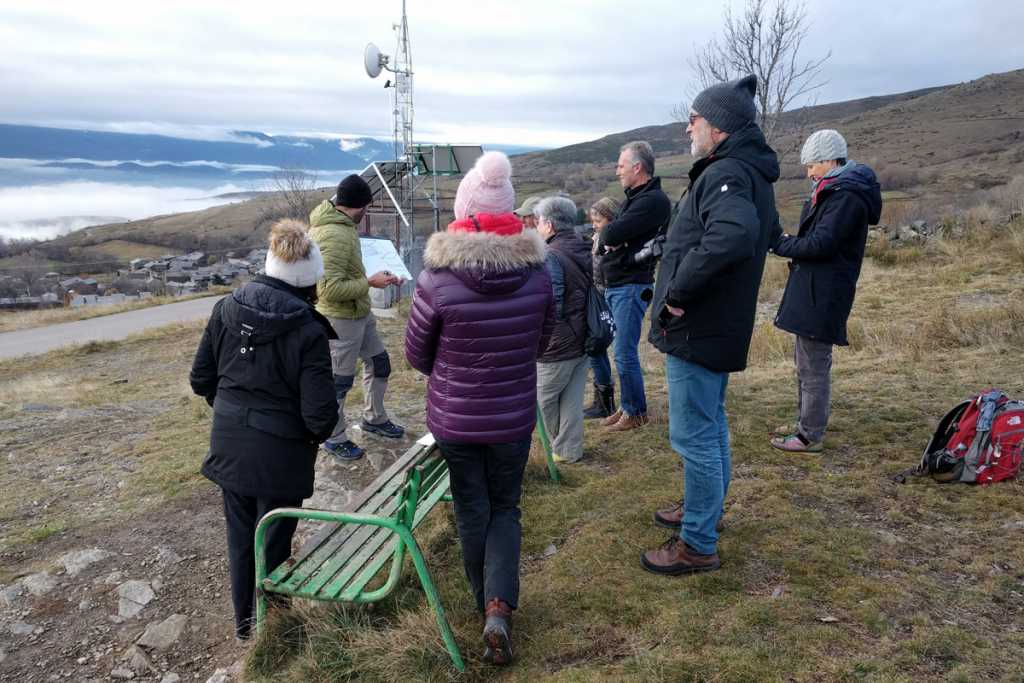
(797, 443)
(343, 450)
(386, 429)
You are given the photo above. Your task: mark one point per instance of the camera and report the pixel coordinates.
(651, 251)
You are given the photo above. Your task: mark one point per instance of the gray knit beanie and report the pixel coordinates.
(823, 145)
(728, 106)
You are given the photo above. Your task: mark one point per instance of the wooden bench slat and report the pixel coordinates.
(371, 500)
(395, 472)
(374, 564)
(377, 552)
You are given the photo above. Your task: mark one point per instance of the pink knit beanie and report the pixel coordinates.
(487, 188)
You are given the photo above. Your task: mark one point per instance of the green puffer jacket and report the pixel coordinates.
(343, 291)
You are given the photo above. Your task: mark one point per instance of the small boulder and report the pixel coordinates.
(39, 584)
(162, 635)
(135, 595)
(77, 560)
(10, 594)
(20, 628)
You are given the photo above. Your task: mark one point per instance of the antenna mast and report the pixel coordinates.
(403, 109)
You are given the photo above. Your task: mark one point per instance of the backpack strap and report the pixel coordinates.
(990, 402)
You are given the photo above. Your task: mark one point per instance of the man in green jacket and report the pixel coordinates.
(344, 297)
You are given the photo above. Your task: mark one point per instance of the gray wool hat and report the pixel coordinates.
(823, 145)
(728, 106)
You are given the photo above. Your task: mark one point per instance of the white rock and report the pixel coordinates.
(219, 676)
(77, 560)
(123, 674)
(20, 628)
(162, 635)
(550, 550)
(112, 578)
(134, 596)
(9, 595)
(85, 605)
(165, 555)
(170, 678)
(39, 584)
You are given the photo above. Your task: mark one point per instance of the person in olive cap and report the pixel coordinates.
(343, 294)
(705, 299)
(525, 212)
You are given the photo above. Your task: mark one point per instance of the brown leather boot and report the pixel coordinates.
(628, 422)
(672, 517)
(674, 557)
(498, 633)
(612, 419)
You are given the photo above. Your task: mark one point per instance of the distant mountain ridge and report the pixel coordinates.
(86, 149)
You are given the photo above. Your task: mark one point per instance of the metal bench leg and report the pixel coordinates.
(432, 597)
(546, 442)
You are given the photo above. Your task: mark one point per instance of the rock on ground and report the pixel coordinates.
(39, 584)
(162, 635)
(77, 560)
(134, 596)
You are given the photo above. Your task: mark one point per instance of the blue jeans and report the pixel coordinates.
(602, 368)
(628, 312)
(699, 432)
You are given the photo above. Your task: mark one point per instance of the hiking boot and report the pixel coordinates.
(797, 443)
(343, 450)
(498, 633)
(674, 557)
(672, 517)
(386, 428)
(612, 419)
(628, 422)
(604, 402)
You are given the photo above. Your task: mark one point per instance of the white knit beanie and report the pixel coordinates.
(293, 257)
(487, 188)
(823, 145)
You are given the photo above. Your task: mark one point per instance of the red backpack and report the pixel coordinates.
(979, 441)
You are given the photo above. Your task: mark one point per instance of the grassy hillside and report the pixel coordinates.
(830, 571)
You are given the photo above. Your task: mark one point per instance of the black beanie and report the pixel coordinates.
(353, 193)
(728, 106)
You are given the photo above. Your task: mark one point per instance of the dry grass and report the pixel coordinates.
(807, 537)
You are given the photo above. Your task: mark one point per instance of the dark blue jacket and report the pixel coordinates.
(715, 252)
(827, 254)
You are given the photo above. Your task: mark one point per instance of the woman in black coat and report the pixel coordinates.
(826, 258)
(264, 365)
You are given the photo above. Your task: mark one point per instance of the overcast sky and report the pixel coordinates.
(524, 72)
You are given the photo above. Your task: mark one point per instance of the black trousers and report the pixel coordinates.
(487, 483)
(242, 514)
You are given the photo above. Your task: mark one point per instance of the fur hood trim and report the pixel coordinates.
(484, 250)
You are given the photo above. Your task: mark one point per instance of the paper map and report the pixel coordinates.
(380, 254)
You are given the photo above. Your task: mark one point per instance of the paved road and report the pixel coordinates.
(103, 328)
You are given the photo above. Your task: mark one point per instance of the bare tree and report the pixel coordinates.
(293, 197)
(765, 40)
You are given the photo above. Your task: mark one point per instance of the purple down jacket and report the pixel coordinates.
(482, 313)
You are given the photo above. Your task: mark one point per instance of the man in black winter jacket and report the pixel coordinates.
(826, 257)
(629, 279)
(705, 300)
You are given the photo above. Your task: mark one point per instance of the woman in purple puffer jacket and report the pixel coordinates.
(482, 312)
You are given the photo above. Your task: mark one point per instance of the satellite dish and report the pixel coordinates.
(373, 60)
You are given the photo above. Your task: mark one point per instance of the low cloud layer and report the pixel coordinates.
(46, 211)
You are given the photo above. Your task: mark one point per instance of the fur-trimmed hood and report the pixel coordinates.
(485, 262)
(484, 250)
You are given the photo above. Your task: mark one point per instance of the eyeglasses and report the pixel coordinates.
(694, 117)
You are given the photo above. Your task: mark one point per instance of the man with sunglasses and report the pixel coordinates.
(704, 304)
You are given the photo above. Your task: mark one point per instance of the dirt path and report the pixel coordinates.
(105, 328)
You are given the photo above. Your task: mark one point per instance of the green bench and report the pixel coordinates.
(341, 561)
